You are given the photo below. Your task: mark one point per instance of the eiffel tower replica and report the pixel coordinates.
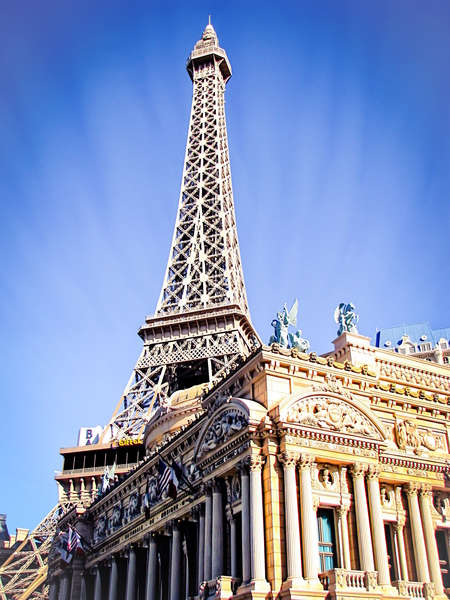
(201, 329)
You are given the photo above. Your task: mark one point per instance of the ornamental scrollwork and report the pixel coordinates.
(330, 413)
(223, 428)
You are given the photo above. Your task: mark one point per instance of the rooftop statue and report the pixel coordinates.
(281, 326)
(346, 317)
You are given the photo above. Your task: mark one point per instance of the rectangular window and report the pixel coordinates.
(443, 548)
(390, 550)
(425, 347)
(327, 542)
(444, 345)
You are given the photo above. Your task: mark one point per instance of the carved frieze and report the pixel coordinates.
(227, 424)
(333, 414)
(409, 437)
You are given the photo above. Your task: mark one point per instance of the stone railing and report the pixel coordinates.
(341, 579)
(223, 587)
(415, 589)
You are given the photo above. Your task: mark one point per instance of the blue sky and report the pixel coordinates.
(339, 134)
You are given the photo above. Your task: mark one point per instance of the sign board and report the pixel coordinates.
(89, 435)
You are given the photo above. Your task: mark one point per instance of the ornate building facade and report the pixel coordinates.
(296, 475)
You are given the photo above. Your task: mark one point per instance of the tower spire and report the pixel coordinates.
(201, 328)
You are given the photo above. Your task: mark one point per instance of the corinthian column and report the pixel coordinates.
(398, 528)
(232, 521)
(378, 535)
(358, 471)
(245, 494)
(152, 569)
(113, 574)
(175, 571)
(217, 527)
(293, 551)
(423, 573)
(97, 586)
(208, 534)
(426, 496)
(257, 519)
(201, 544)
(131, 575)
(344, 539)
(309, 520)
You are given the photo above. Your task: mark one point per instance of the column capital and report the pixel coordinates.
(411, 489)
(358, 470)
(305, 462)
(400, 523)
(217, 485)
(229, 514)
(207, 488)
(426, 491)
(373, 472)
(288, 459)
(343, 510)
(256, 462)
(242, 466)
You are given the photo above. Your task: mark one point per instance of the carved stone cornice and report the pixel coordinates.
(358, 470)
(288, 459)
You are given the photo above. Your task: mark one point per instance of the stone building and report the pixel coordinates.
(302, 476)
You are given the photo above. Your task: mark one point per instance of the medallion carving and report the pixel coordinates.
(409, 436)
(227, 424)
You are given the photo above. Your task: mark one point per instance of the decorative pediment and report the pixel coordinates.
(224, 424)
(332, 412)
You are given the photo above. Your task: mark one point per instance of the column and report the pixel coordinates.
(175, 571)
(151, 583)
(83, 591)
(53, 589)
(378, 534)
(398, 528)
(113, 575)
(201, 544)
(97, 585)
(208, 535)
(131, 575)
(344, 541)
(231, 520)
(217, 527)
(308, 520)
(358, 471)
(293, 550)
(245, 493)
(423, 573)
(258, 560)
(426, 496)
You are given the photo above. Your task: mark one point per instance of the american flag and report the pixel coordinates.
(74, 542)
(164, 473)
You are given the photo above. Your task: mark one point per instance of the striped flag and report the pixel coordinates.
(74, 545)
(163, 476)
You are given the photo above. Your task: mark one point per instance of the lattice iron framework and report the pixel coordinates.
(23, 575)
(202, 328)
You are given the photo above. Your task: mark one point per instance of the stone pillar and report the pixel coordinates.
(358, 471)
(175, 571)
(426, 496)
(344, 539)
(258, 560)
(378, 534)
(423, 573)
(131, 575)
(293, 550)
(208, 535)
(83, 591)
(231, 520)
(201, 544)
(53, 589)
(113, 575)
(97, 585)
(246, 551)
(398, 528)
(308, 520)
(217, 527)
(151, 582)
